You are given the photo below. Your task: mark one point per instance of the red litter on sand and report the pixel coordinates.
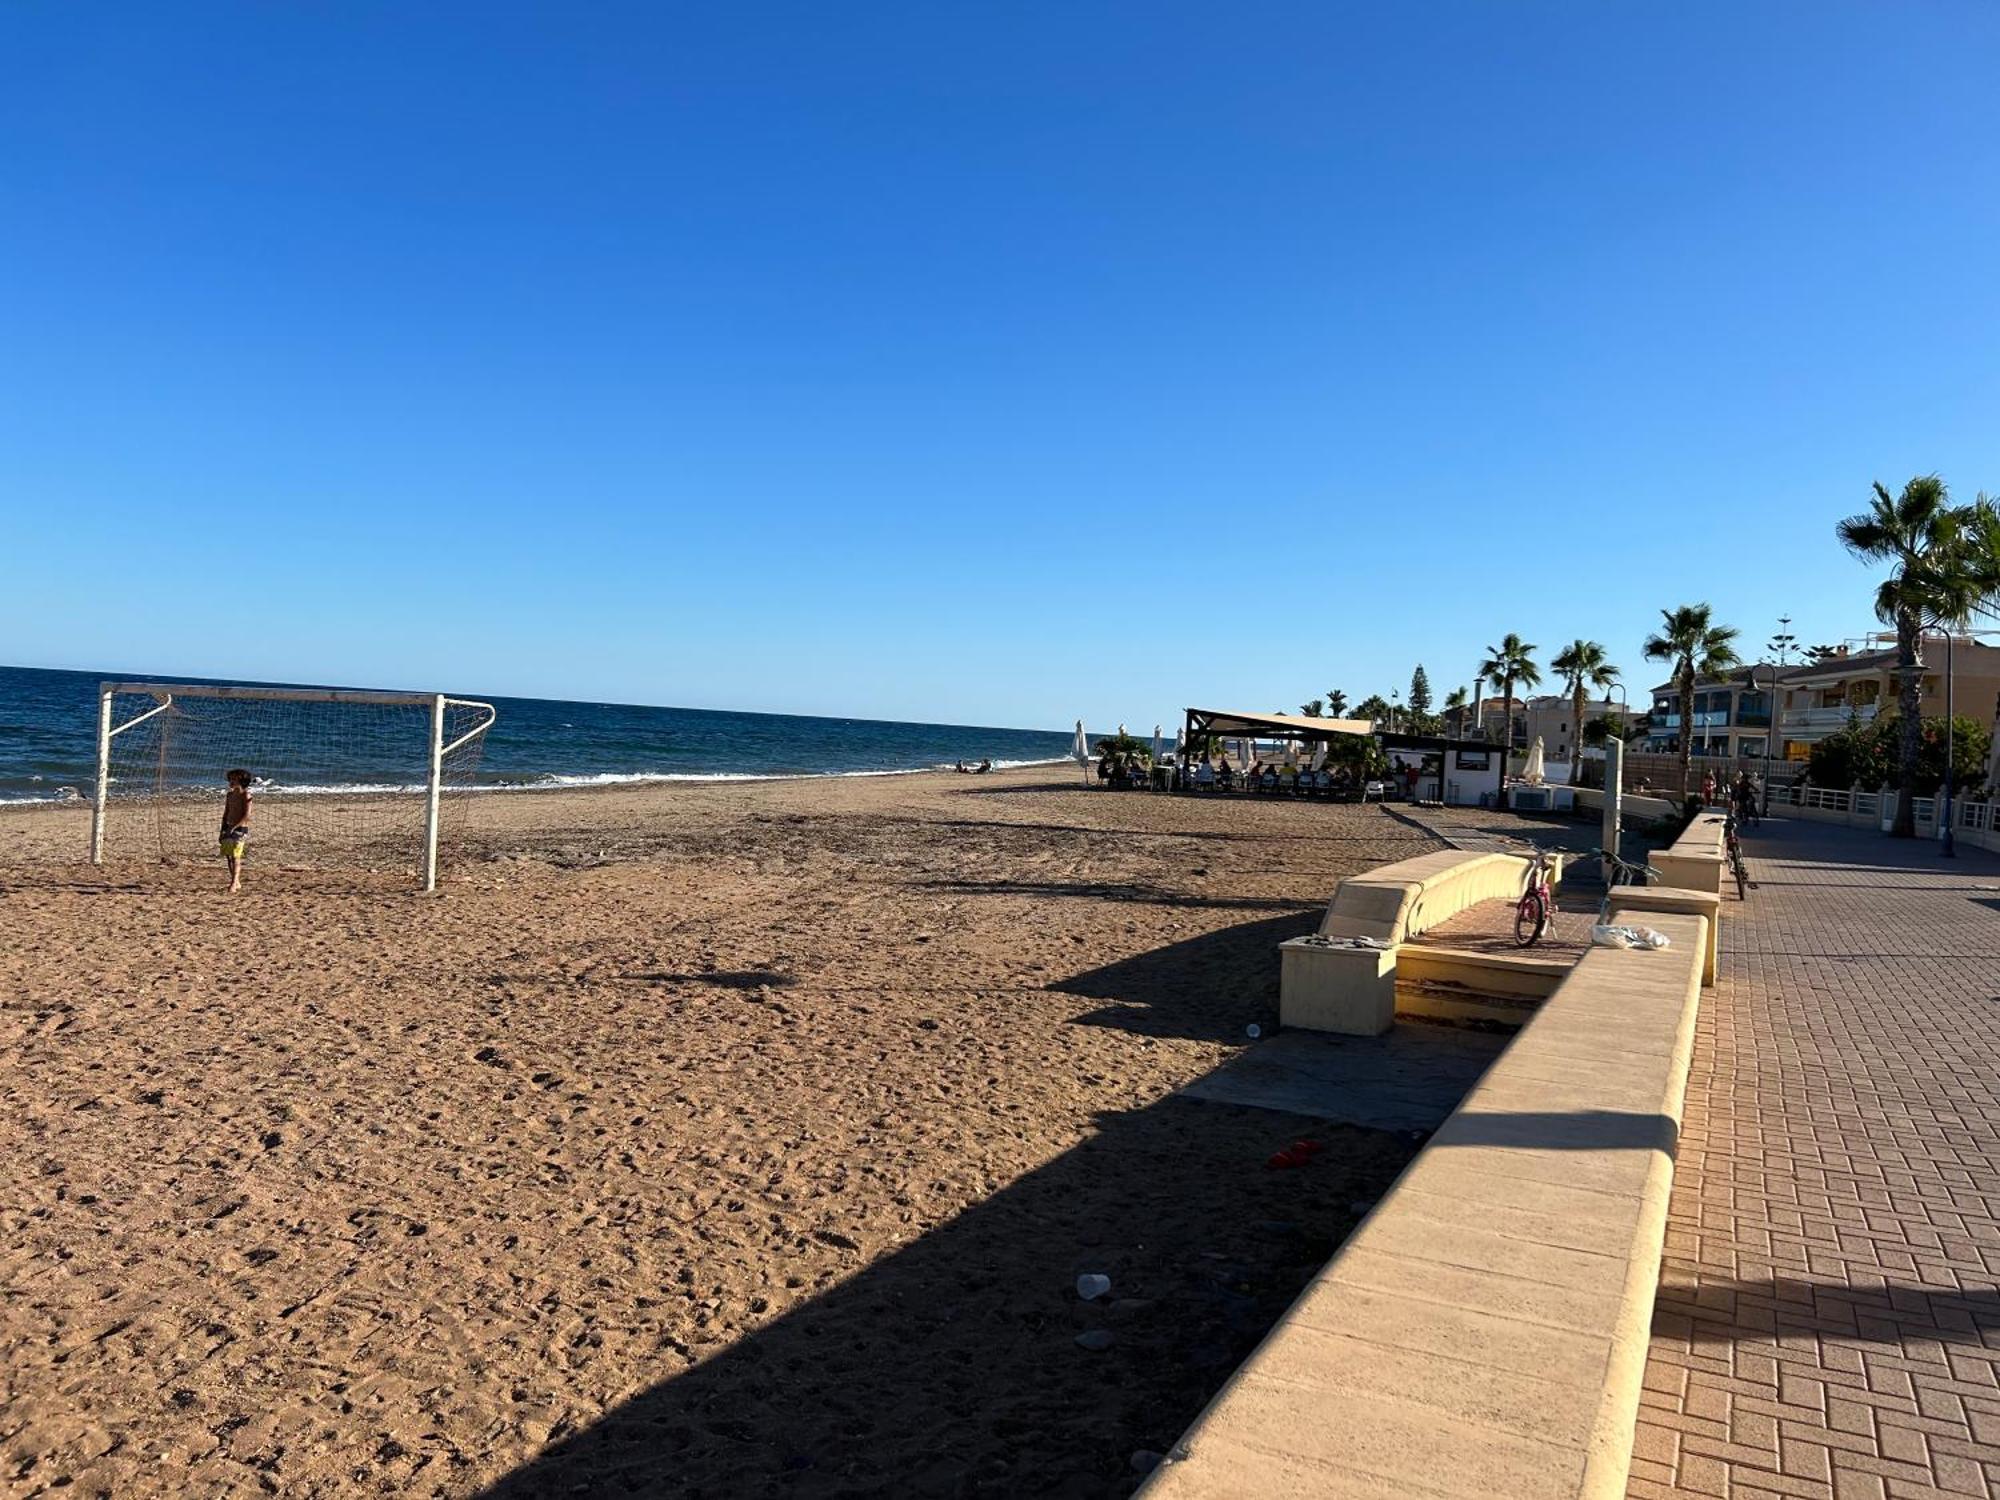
(1295, 1155)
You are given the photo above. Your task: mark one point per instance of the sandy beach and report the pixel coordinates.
(714, 1140)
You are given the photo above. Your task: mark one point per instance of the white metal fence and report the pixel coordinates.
(1866, 809)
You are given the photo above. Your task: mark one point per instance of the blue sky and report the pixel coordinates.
(980, 363)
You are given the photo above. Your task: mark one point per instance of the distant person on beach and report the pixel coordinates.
(984, 767)
(235, 826)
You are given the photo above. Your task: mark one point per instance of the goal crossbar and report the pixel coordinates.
(166, 692)
(283, 694)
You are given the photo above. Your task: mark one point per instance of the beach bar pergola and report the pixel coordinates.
(1297, 728)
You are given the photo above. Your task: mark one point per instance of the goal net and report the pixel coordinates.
(340, 779)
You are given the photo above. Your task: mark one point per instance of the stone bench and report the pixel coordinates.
(1353, 989)
(1393, 903)
(1642, 900)
(1484, 1332)
(1696, 860)
(1465, 984)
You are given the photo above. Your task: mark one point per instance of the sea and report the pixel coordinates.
(48, 742)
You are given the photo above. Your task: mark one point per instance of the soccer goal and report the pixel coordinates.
(341, 778)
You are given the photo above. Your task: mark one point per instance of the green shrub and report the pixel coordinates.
(1866, 756)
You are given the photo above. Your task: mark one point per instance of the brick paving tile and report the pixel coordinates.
(1828, 1322)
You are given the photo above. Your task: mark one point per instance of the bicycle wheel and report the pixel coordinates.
(1742, 874)
(1531, 920)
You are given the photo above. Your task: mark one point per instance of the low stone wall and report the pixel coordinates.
(1696, 860)
(1352, 989)
(1485, 1330)
(1637, 806)
(1393, 903)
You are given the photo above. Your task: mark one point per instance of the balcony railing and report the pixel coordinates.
(1827, 718)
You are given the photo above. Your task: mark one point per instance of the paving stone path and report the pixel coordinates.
(1828, 1323)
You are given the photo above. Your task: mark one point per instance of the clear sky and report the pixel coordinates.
(994, 363)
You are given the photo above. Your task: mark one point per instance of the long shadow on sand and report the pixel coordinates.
(1206, 988)
(951, 1366)
(1109, 890)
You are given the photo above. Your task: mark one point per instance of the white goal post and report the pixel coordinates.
(166, 694)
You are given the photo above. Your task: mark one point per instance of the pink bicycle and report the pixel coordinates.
(1537, 907)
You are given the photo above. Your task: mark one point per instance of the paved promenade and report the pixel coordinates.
(1828, 1323)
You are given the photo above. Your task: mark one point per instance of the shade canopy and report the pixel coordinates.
(1273, 726)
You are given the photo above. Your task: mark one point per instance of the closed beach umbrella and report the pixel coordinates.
(1080, 750)
(1319, 756)
(1159, 746)
(1533, 771)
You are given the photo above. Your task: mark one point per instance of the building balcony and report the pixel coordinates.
(1826, 720)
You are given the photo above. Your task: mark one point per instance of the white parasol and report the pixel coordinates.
(1079, 751)
(1319, 756)
(1159, 746)
(1533, 771)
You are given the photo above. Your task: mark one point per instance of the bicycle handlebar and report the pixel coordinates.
(1626, 866)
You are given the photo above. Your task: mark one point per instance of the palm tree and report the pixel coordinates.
(1696, 647)
(1374, 706)
(1336, 704)
(1510, 662)
(1455, 703)
(1947, 568)
(1311, 708)
(1906, 531)
(1582, 667)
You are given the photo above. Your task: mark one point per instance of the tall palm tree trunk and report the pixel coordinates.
(1506, 740)
(1687, 732)
(1910, 703)
(1576, 702)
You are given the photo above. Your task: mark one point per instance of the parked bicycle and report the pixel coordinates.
(1619, 872)
(1733, 847)
(1534, 914)
(1536, 909)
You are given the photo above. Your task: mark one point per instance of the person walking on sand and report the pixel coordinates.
(235, 826)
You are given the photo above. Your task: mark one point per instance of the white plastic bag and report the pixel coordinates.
(1619, 935)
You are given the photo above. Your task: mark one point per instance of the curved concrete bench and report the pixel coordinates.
(1353, 990)
(1395, 902)
(1485, 1330)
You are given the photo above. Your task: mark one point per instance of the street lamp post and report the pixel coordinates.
(1770, 692)
(1943, 810)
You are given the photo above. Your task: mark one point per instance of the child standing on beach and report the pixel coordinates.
(235, 826)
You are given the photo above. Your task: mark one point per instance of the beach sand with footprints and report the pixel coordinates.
(712, 1140)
